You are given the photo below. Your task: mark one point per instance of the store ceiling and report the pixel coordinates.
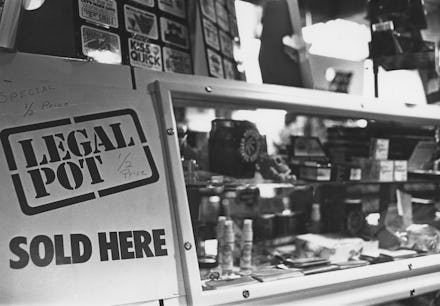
(356, 10)
(323, 10)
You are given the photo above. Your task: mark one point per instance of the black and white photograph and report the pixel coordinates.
(220, 152)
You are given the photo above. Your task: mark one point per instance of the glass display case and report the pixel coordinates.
(289, 193)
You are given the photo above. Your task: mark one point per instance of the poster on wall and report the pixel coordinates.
(140, 22)
(227, 47)
(85, 207)
(229, 69)
(174, 7)
(98, 11)
(149, 3)
(176, 61)
(95, 43)
(157, 39)
(174, 33)
(222, 16)
(144, 54)
(211, 34)
(218, 27)
(208, 9)
(215, 64)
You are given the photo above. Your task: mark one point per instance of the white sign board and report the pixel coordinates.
(84, 204)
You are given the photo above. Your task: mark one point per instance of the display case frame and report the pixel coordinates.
(400, 279)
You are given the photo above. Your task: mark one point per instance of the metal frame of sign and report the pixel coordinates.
(357, 285)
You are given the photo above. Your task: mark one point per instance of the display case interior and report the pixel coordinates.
(285, 189)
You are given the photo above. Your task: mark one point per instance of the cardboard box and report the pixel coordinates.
(331, 247)
(376, 170)
(315, 171)
(379, 148)
(400, 170)
(384, 170)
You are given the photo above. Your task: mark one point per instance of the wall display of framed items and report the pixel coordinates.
(216, 33)
(156, 35)
(150, 34)
(85, 29)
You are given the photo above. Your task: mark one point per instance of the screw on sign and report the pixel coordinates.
(187, 245)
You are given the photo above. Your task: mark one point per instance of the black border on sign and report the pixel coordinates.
(24, 205)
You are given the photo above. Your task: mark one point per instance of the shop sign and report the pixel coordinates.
(176, 61)
(140, 22)
(102, 12)
(174, 33)
(211, 34)
(144, 55)
(174, 7)
(85, 207)
(68, 157)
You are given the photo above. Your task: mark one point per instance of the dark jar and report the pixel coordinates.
(234, 147)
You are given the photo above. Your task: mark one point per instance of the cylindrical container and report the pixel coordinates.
(285, 224)
(220, 237)
(227, 200)
(354, 217)
(423, 210)
(234, 147)
(228, 247)
(264, 227)
(315, 219)
(246, 246)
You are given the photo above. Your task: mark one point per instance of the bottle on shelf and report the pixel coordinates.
(246, 246)
(227, 263)
(315, 219)
(220, 238)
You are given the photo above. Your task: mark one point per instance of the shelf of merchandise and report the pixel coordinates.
(401, 279)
